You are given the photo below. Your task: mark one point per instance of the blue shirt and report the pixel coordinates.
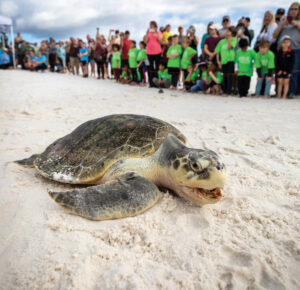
(42, 58)
(84, 57)
(4, 58)
(32, 58)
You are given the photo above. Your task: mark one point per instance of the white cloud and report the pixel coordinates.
(44, 18)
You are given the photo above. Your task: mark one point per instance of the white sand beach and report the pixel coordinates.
(248, 240)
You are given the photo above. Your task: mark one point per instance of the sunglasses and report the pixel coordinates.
(294, 9)
(225, 20)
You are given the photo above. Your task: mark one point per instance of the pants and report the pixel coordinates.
(259, 85)
(154, 62)
(174, 72)
(188, 85)
(74, 62)
(52, 61)
(294, 77)
(117, 73)
(142, 72)
(134, 74)
(185, 73)
(166, 83)
(124, 62)
(243, 85)
(228, 70)
(199, 86)
(4, 66)
(41, 67)
(100, 66)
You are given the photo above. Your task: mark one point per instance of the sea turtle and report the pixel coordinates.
(126, 157)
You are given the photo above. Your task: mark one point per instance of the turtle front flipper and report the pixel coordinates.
(128, 195)
(27, 162)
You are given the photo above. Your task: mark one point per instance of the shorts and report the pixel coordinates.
(282, 76)
(124, 62)
(83, 62)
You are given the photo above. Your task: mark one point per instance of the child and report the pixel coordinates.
(201, 84)
(225, 50)
(215, 79)
(31, 61)
(84, 59)
(41, 62)
(132, 60)
(4, 59)
(116, 61)
(141, 58)
(191, 76)
(187, 56)
(173, 55)
(284, 60)
(126, 76)
(244, 60)
(265, 64)
(164, 78)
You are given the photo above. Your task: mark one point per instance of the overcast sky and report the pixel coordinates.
(39, 19)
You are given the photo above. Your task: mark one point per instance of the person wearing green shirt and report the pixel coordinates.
(201, 83)
(173, 54)
(116, 61)
(187, 55)
(191, 77)
(132, 60)
(164, 78)
(215, 79)
(141, 58)
(126, 76)
(244, 59)
(225, 50)
(265, 65)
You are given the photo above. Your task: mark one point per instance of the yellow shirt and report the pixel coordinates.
(166, 35)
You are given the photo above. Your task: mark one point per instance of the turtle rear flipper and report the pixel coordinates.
(27, 162)
(128, 195)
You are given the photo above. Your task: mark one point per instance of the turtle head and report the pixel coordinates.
(195, 174)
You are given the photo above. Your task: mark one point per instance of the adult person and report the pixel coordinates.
(167, 33)
(74, 61)
(205, 35)
(180, 33)
(194, 41)
(100, 55)
(52, 54)
(267, 29)
(226, 23)
(154, 40)
(4, 59)
(125, 46)
(211, 43)
(18, 40)
(290, 26)
(279, 14)
(247, 22)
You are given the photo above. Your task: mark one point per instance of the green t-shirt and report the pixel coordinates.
(193, 77)
(219, 77)
(132, 53)
(174, 62)
(141, 55)
(164, 74)
(185, 61)
(205, 77)
(125, 76)
(116, 60)
(265, 61)
(245, 60)
(227, 55)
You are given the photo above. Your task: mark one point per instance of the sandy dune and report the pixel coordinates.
(249, 240)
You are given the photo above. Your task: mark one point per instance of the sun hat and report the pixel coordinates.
(284, 38)
(213, 26)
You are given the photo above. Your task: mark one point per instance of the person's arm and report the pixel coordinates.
(213, 77)
(206, 51)
(296, 24)
(291, 63)
(218, 61)
(270, 33)
(160, 37)
(146, 37)
(191, 57)
(279, 28)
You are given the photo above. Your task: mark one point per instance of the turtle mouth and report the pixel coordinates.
(202, 195)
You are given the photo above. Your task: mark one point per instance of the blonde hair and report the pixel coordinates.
(293, 4)
(271, 22)
(185, 39)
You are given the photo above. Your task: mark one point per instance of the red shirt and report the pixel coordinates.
(125, 48)
(212, 42)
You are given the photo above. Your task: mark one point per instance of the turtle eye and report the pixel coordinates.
(196, 166)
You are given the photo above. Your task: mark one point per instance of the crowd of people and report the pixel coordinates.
(225, 64)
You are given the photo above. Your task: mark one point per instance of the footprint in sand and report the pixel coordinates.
(232, 257)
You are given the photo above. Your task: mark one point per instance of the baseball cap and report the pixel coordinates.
(226, 17)
(280, 11)
(284, 38)
(213, 26)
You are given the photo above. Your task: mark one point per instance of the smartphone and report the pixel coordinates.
(289, 19)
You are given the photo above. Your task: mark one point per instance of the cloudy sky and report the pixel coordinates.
(39, 19)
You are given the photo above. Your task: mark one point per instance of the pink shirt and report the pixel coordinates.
(153, 45)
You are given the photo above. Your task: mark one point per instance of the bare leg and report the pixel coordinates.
(279, 87)
(286, 84)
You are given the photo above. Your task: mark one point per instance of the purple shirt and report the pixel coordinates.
(212, 42)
